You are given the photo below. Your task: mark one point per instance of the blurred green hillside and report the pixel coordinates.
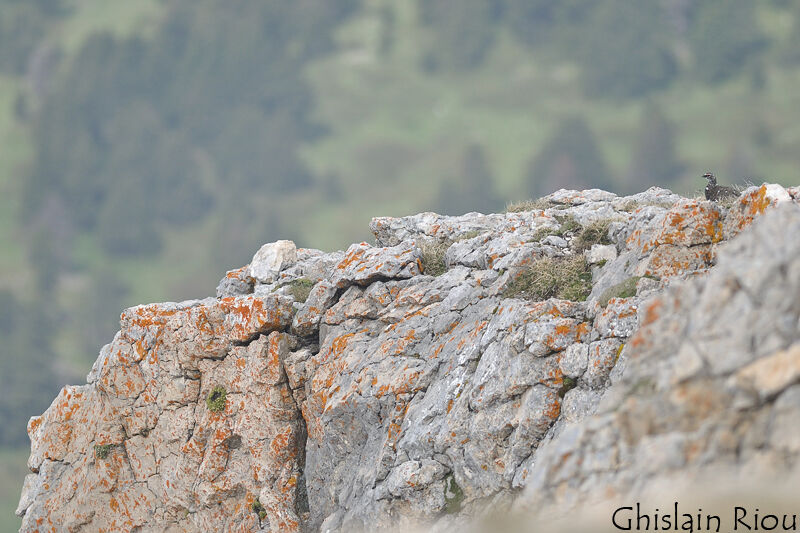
(146, 147)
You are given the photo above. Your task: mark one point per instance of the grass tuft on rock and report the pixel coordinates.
(625, 289)
(432, 259)
(630, 206)
(594, 233)
(258, 508)
(215, 401)
(101, 451)
(568, 225)
(529, 205)
(300, 289)
(468, 235)
(567, 385)
(567, 278)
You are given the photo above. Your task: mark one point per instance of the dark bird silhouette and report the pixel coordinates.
(716, 192)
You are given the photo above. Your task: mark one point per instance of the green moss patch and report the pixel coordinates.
(258, 508)
(626, 289)
(215, 401)
(567, 278)
(567, 385)
(300, 289)
(453, 495)
(101, 451)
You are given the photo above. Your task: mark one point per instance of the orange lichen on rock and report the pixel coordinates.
(688, 223)
(750, 205)
(353, 256)
(652, 313)
(554, 407)
(669, 260)
(247, 316)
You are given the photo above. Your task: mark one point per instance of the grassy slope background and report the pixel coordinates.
(395, 133)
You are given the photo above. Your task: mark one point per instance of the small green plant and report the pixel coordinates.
(215, 401)
(541, 233)
(529, 205)
(626, 289)
(568, 225)
(594, 233)
(101, 451)
(258, 508)
(468, 235)
(567, 385)
(567, 278)
(453, 495)
(433, 263)
(300, 289)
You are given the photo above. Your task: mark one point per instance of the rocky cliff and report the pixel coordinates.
(580, 346)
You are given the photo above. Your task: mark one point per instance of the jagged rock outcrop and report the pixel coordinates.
(711, 382)
(354, 390)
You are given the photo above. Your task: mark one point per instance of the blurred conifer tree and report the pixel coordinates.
(655, 159)
(471, 189)
(571, 159)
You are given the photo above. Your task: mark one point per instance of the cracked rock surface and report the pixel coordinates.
(387, 397)
(708, 389)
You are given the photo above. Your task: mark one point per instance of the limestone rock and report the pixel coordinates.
(236, 282)
(669, 417)
(271, 258)
(363, 263)
(601, 253)
(390, 398)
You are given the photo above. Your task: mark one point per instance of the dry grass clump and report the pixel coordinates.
(468, 235)
(585, 236)
(567, 278)
(433, 257)
(433, 251)
(529, 205)
(568, 225)
(630, 206)
(594, 233)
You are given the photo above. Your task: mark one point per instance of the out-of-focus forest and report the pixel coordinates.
(147, 146)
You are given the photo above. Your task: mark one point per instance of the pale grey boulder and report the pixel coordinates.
(271, 258)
